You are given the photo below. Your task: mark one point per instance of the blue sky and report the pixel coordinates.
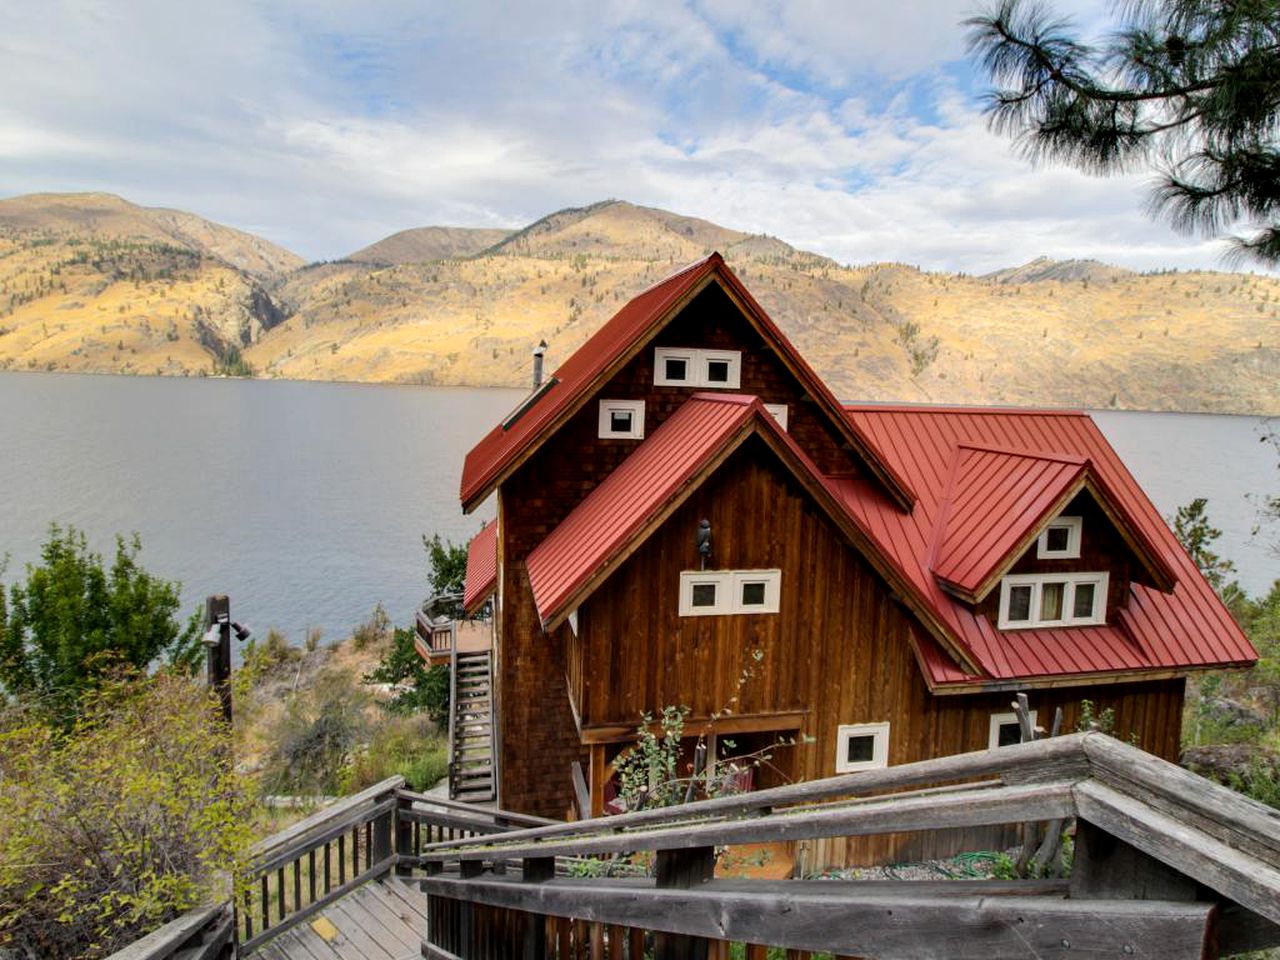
(853, 129)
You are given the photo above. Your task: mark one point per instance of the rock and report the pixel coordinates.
(1224, 761)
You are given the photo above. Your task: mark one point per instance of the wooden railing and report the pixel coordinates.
(435, 636)
(1163, 861)
(206, 933)
(297, 873)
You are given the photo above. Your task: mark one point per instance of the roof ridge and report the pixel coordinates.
(679, 271)
(953, 408)
(1071, 458)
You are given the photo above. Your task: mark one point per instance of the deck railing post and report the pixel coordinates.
(683, 870)
(406, 855)
(536, 870)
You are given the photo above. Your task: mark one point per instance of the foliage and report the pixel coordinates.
(647, 773)
(259, 661)
(446, 571)
(317, 737)
(72, 622)
(120, 823)
(1189, 87)
(1196, 534)
(231, 364)
(421, 687)
(372, 631)
(408, 746)
(1262, 783)
(1103, 721)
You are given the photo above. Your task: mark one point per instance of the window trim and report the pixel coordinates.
(604, 420)
(879, 750)
(728, 584)
(1037, 581)
(1074, 527)
(999, 720)
(697, 361)
(779, 412)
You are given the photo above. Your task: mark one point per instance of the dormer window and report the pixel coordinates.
(680, 367)
(711, 592)
(1052, 600)
(622, 419)
(1060, 540)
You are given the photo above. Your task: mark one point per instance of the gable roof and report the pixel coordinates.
(614, 519)
(998, 501)
(482, 568)
(1183, 628)
(572, 384)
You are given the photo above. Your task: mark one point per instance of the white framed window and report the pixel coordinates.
(1006, 730)
(862, 746)
(779, 412)
(622, 419)
(705, 593)
(682, 367)
(1052, 600)
(1060, 539)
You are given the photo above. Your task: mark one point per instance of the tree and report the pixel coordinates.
(73, 622)
(446, 566)
(1188, 87)
(1196, 534)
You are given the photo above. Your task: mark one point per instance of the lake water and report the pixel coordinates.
(307, 502)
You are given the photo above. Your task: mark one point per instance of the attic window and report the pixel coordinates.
(1052, 600)
(680, 367)
(622, 419)
(706, 593)
(862, 746)
(1060, 540)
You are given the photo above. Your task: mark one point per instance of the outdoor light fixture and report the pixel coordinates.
(242, 633)
(703, 541)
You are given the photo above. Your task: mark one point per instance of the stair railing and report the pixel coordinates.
(453, 707)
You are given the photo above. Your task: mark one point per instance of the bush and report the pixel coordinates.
(420, 688)
(118, 824)
(406, 745)
(317, 737)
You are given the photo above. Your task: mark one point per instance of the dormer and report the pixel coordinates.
(1037, 541)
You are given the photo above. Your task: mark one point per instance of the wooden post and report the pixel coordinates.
(683, 870)
(536, 870)
(1105, 867)
(403, 827)
(217, 613)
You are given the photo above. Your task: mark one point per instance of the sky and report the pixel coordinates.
(853, 129)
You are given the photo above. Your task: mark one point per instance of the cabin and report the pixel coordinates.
(686, 516)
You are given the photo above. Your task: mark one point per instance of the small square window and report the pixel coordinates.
(1005, 729)
(676, 369)
(703, 595)
(753, 593)
(621, 419)
(683, 367)
(717, 371)
(862, 746)
(1060, 539)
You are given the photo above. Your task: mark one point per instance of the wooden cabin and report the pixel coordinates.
(886, 576)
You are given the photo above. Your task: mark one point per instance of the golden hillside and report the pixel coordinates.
(1078, 333)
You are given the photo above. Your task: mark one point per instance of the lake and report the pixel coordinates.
(307, 502)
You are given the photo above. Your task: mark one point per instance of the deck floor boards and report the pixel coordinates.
(383, 920)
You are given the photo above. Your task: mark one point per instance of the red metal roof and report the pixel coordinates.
(612, 344)
(634, 495)
(995, 499)
(482, 568)
(1156, 631)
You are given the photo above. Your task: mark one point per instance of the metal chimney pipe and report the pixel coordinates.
(538, 353)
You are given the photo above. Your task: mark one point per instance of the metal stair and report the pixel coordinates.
(471, 764)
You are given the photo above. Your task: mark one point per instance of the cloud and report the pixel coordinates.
(851, 130)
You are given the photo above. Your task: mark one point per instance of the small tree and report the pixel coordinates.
(72, 622)
(1196, 534)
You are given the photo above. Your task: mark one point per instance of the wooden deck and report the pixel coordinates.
(382, 920)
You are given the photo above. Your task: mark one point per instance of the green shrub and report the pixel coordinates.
(317, 737)
(404, 745)
(118, 824)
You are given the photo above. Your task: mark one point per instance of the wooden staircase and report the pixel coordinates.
(472, 769)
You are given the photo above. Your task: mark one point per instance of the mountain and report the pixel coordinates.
(423, 244)
(106, 216)
(448, 306)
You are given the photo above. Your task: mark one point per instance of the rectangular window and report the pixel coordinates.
(711, 592)
(1052, 600)
(779, 412)
(862, 746)
(680, 367)
(1060, 540)
(622, 419)
(1006, 730)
